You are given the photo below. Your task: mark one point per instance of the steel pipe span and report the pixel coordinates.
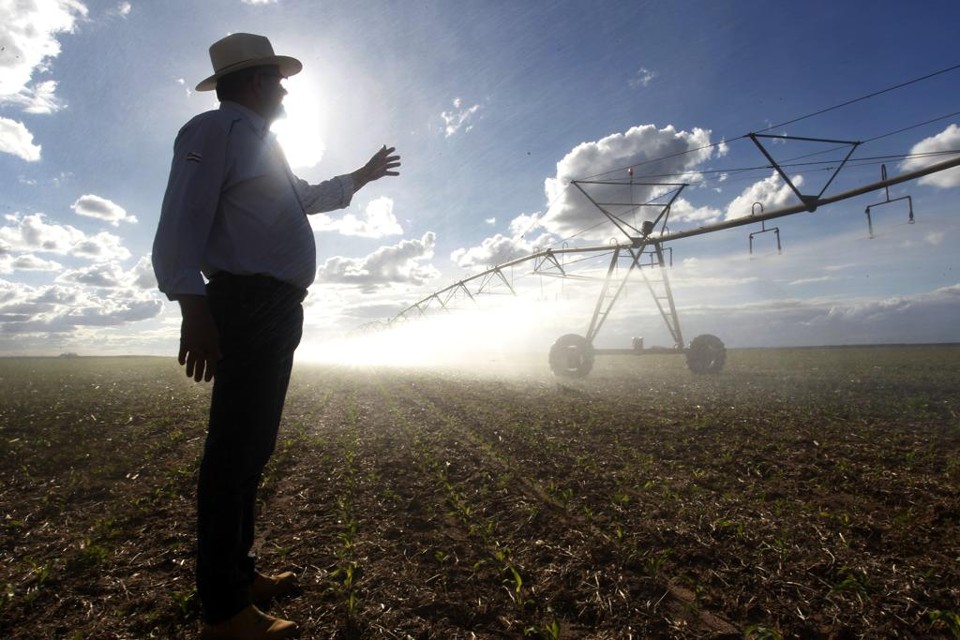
(677, 235)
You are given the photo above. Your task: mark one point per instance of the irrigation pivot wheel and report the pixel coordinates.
(706, 354)
(571, 356)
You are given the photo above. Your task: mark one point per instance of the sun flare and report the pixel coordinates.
(301, 132)
(513, 331)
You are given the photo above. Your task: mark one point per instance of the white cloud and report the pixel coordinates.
(10, 263)
(816, 280)
(101, 275)
(256, 2)
(924, 317)
(377, 221)
(101, 248)
(142, 276)
(32, 233)
(93, 206)
(38, 99)
(695, 273)
(928, 317)
(16, 140)
(524, 223)
(28, 41)
(660, 152)
(459, 117)
(499, 249)
(123, 9)
(28, 33)
(771, 192)
(55, 310)
(946, 140)
(683, 211)
(400, 263)
(642, 78)
(114, 310)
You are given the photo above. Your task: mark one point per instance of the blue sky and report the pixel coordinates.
(495, 107)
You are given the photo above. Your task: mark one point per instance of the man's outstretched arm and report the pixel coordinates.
(337, 193)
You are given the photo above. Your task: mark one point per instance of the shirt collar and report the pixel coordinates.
(254, 119)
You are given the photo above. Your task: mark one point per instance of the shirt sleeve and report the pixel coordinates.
(328, 195)
(189, 207)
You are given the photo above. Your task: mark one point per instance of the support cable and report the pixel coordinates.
(788, 122)
(862, 98)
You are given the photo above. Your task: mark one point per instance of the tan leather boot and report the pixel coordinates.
(249, 624)
(266, 588)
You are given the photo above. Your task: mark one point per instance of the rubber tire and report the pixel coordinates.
(706, 354)
(571, 356)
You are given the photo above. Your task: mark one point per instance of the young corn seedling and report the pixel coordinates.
(760, 632)
(949, 619)
(547, 631)
(346, 576)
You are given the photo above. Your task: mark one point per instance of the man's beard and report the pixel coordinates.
(279, 113)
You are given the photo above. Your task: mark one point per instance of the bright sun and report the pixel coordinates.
(299, 132)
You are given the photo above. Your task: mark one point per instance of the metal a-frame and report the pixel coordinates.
(573, 355)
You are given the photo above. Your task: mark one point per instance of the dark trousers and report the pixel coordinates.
(260, 322)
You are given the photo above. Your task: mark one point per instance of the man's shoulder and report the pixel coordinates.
(208, 129)
(217, 119)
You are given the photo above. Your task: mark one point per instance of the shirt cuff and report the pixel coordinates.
(186, 283)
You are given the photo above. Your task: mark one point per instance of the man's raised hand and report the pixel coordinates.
(383, 163)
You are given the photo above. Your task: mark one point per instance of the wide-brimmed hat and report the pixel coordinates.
(242, 51)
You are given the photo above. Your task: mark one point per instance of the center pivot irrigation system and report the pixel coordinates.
(573, 355)
(644, 246)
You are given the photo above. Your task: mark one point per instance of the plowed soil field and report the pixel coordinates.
(810, 493)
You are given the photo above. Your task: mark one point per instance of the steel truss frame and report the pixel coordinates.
(572, 354)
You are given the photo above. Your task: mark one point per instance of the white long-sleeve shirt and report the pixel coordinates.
(233, 205)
